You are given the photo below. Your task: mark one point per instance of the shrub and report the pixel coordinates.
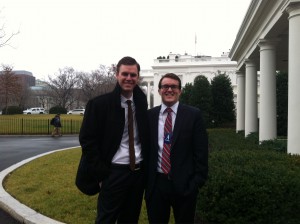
(201, 97)
(222, 100)
(282, 102)
(186, 94)
(223, 139)
(251, 186)
(279, 145)
(252, 138)
(12, 110)
(57, 110)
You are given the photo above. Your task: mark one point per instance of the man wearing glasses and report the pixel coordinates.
(178, 159)
(114, 136)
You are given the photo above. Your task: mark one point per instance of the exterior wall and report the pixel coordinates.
(26, 78)
(188, 67)
(269, 37)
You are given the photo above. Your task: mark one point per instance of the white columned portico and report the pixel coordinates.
(240, 107)
(251, 122)
(294, 80)
(268, 119)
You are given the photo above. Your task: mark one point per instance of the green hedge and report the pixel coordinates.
(249, 183)
(57, 110)
(12, 110)
(224, 138)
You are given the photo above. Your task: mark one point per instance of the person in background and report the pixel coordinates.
(178, 160)
(57, 126)
(114, 137)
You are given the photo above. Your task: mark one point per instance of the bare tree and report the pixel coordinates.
(4, 37)
(10, 86)
(62, 87)
(24, 96)
(43, 98)
(97, 82)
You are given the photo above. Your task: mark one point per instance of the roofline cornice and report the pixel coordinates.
(255, 26)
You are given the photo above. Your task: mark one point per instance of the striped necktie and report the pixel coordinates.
(131, 136)
(165, 161)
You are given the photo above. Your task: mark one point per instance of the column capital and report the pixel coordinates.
(249, 62)
(293, 9)
(239, 73)
(268, 44)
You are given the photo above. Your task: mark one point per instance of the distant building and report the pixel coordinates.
(187, 67)
(40, 83)
(26, 78)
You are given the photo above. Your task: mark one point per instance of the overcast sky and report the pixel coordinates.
(86, 33)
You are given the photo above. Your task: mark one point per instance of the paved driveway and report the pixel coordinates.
(14, 149)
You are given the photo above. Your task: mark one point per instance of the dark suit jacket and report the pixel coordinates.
(101, 134)
(189, 150)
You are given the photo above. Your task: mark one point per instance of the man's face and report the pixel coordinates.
(127, 78)
(169, 91)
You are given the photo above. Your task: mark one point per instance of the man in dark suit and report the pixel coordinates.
(113, 148)
(178, 162)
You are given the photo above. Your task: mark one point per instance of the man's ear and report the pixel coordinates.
(159, 92)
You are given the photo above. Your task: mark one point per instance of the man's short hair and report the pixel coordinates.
(171, 76)
(127, 61)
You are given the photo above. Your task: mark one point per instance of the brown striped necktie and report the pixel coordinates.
(131, 136)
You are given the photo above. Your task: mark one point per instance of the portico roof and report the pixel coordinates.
(265, 19)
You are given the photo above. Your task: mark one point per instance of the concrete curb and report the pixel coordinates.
(15, 208)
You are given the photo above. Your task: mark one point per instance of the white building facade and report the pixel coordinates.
(268, 41)
(187, 67)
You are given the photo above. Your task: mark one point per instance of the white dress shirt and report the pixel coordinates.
(161, 124)
(122, 155)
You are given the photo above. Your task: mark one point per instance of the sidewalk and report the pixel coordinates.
(18, 210)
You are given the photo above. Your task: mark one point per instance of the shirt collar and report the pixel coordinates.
(124, 99)
(174, 107)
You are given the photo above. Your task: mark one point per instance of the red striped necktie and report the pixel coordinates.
(165, 161)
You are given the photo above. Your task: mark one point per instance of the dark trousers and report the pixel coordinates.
(121, 195)
(163, 198)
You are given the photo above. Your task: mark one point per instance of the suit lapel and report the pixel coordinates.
(154, 119)
(178, 123)
(155, 124)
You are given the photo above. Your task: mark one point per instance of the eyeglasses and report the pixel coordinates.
(132, 75)
(166, 87)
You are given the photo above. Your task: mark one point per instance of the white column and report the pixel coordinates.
(268, 118)
(251, 122)
(294, 80)
(156, 96)
(240, 106)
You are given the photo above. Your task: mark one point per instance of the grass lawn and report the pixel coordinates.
(47, 185)
(38, 124)
(41, 116)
